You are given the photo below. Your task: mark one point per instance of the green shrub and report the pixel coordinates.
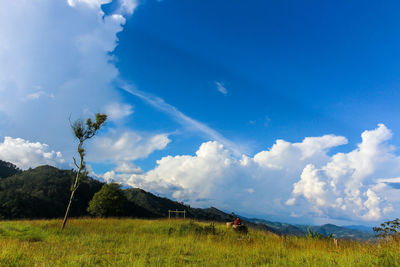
(109, 201)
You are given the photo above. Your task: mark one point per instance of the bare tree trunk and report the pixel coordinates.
(75, 186)
(67, 211)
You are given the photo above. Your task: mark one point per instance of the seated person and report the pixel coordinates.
(237, 221)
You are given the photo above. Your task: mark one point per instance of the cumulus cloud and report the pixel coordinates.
(55, 58)
(289, 179)
(26, 154)
(350, 181)
(125, 146)
(216, 176)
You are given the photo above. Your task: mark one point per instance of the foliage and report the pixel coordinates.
(133, 242)
(8, 169)
(108, 202)
(312, 235)
(389, 228)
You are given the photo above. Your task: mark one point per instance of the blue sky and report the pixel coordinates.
(201, 92)
(317, 68)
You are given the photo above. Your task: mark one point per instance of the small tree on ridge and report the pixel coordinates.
(83, 131)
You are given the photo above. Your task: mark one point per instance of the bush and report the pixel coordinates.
(108, 202)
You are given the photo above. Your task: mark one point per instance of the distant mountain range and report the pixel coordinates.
(352, 232)
(43, 193)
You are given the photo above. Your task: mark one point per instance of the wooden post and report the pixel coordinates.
(177, 212)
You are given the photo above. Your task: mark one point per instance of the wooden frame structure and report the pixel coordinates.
(176, 213)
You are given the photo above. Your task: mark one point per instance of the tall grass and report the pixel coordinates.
(132, 242)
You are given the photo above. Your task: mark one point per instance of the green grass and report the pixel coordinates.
(132, 242)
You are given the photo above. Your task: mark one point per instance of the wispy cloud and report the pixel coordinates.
(267, 121)
(117, 111)
(221, 88)
(183, 119)
(38, 94)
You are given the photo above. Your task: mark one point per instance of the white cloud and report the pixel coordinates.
(55, 61)
(215, 176)
(289, 179)
(25, 154)
(311, 149)
(128, 6)
(91, 3)
(351, 181)
(221, 88)
(117, 111)
(125, 146)
(128, 167)
(311, 186)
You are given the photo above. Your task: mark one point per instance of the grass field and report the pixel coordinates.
(132, 242)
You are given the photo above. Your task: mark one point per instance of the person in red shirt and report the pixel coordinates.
(237, 221)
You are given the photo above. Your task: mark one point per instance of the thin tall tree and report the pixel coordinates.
(83, 131)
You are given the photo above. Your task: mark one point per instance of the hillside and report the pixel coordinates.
(8, 169)
(341, 232)
(43, 192)
(326, 230)
(280, 228)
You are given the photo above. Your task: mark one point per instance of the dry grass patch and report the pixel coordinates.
(133, 242)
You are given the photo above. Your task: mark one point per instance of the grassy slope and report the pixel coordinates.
(133, 242)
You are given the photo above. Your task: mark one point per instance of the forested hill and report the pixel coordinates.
(43, 192)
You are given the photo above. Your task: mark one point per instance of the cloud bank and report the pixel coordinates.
(56, 61)
(25, 154)
(296, 179)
